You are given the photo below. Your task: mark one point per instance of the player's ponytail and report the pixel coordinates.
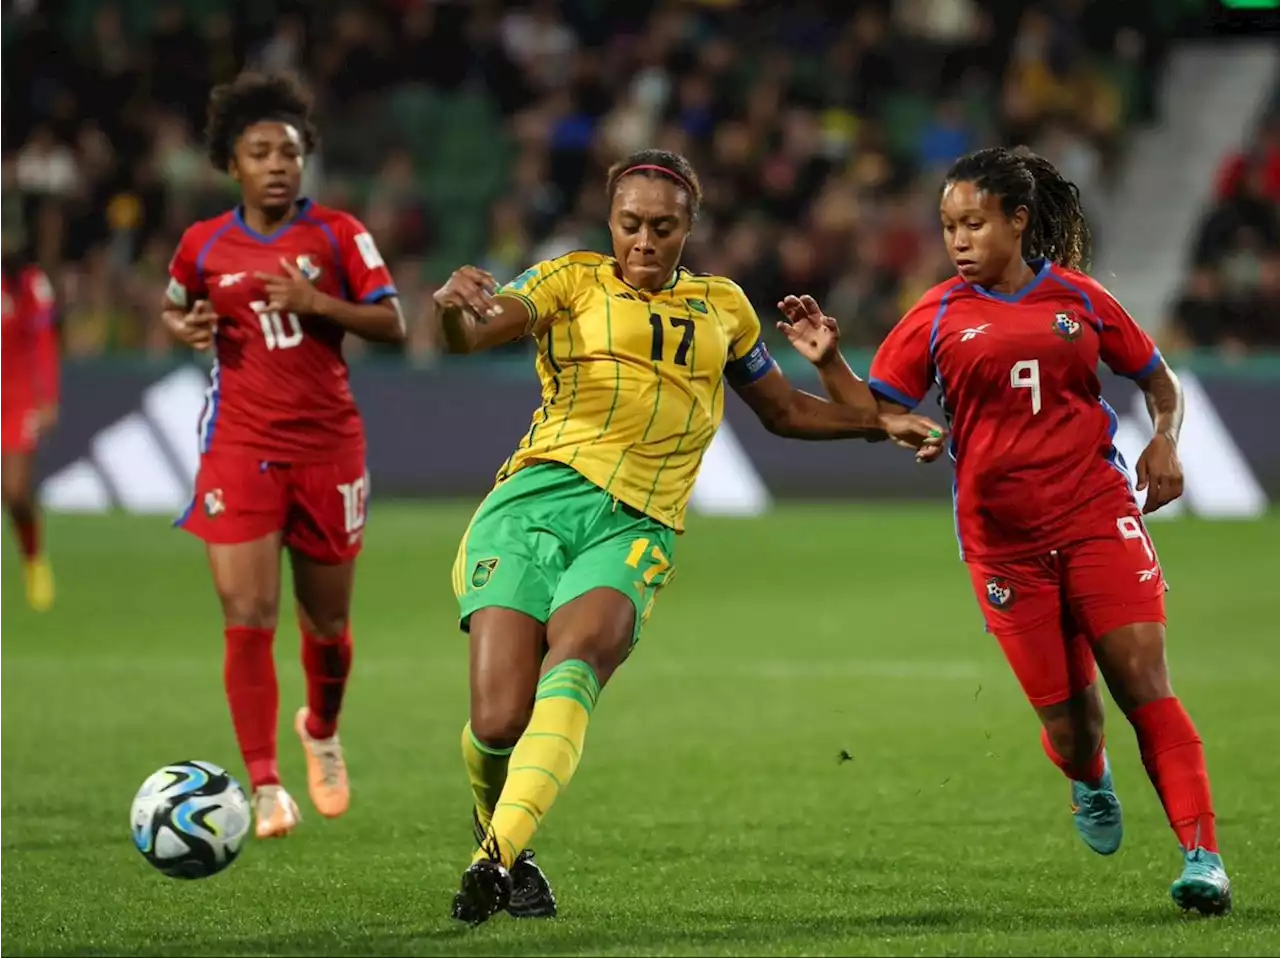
(1057, 228)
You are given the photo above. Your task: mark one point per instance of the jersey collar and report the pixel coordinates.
(302, 206)
(666, 288)
(1042, 265)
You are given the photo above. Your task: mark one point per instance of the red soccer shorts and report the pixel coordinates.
(1048, 610)
(318, 507)
(19, 428)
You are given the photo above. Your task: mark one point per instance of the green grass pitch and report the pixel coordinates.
(712, 813)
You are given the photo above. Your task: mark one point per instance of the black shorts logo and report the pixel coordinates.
(483, 571)
(999, 593)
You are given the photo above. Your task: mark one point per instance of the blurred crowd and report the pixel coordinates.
(1231, 298)
(479, 132)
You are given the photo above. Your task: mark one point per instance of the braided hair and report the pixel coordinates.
(1056, 227)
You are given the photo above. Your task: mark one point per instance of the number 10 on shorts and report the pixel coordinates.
(353, 503)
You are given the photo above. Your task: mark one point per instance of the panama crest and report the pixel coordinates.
(999, 593)
(308, 268)
(483, 571)
(1066, 325)
(213, 504)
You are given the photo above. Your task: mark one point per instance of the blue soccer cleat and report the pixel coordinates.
(1097, 813)
(1204, 885)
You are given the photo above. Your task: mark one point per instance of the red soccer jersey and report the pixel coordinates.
(279, 387)
(1031, 435)
(29, 344)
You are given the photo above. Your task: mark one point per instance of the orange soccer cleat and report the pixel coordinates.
(275, 813)
(326, 770)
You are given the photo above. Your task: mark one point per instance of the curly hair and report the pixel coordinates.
(251, 98)
(1057, 229)
(658, 164)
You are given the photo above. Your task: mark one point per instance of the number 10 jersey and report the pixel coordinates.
(279, 388)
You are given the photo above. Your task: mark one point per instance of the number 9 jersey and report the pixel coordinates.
(281, 442)
(278, 389)
(1017, 375)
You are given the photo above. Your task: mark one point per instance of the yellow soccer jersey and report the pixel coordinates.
(633, 381)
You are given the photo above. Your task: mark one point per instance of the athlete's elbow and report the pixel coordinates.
(779, 418)
(396, 333)
(392, 329)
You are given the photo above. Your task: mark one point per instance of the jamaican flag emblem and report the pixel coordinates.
(482, 572)
(697, 305)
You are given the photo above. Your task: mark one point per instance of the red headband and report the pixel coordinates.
(658, 169)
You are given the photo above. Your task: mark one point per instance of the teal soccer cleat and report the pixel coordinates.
(1097, 813)
(1204, 885)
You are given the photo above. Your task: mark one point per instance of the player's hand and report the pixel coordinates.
(914, 432)
(47, 418)
(469, 288)
(196, 327)
(1160, 473)
(290, 293)
(815, 335)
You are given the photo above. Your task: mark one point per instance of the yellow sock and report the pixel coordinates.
(546, 756)
(487, 770)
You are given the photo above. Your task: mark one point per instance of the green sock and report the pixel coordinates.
(487, 772)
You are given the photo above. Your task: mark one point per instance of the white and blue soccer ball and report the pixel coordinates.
(190, 819)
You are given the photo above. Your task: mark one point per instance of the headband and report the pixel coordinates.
(658, 169)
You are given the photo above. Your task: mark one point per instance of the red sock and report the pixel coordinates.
(28, 536)
(1174, 758)
(1090, 772)
(326, 662)
(249, 674)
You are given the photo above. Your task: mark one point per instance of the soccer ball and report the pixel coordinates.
(189, 819)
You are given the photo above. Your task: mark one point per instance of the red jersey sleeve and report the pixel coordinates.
(40, 316)
(368, 279)
(1122, 344)
(186, 284)
(900, 371)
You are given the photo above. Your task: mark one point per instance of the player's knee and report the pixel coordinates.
(15, 495)
(1134, 662)
(324, 625)
(598, 628)
(499, 721)
(20, 509)
(249, 611)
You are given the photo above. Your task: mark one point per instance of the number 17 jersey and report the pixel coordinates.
(1031, 436)
(279, 388)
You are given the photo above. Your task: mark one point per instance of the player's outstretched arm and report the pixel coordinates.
(816, 336)
(472, 318)
(795, 414)
(1158, 469)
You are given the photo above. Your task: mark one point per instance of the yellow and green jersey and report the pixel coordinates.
(633, 381)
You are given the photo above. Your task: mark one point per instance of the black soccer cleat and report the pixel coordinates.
(531, 894)
(485, 891)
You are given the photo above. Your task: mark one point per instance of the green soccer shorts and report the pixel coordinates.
(546, 536)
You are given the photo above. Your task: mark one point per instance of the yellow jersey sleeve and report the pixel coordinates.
(546, 289)
(748, 357)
